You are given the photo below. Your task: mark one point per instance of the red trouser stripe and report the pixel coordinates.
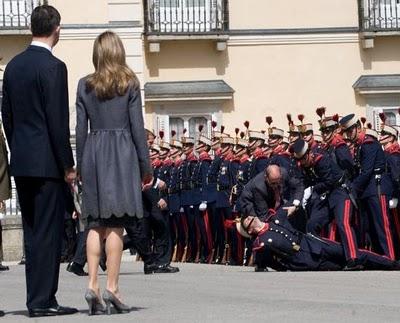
(208, 230)
(387, 227)
(347, 229)
(332, 231)
(396, 222)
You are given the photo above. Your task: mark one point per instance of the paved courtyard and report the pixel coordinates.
(204, 293)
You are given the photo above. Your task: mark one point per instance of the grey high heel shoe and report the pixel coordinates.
(94, 303)
(109, 298)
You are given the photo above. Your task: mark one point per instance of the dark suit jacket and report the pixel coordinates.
(36, 114)
(257, 197)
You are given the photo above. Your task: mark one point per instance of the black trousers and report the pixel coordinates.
(137, 237)
(80, 252)
(42, 202)
(153, 229)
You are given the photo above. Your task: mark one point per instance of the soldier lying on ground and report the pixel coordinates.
(284, 248)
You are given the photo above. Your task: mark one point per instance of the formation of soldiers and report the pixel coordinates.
(349, 174)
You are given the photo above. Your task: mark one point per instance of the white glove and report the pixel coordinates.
(393, 203)
(181, 210)
(306, 196)
(203, 206)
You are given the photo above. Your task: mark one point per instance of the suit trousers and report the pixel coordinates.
(42, 202)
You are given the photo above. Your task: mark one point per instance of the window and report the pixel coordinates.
(194, 124)
(195, 3)
(176, 124)
(390, 118)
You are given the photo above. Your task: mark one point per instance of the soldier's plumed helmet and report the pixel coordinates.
(348, 121)
(299, 148)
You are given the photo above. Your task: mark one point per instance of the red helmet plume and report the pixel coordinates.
(335, 117)
(363, 120)
(268, 120)
(161, 134)
(213, 124)
(247, 124)
(201, 127)
(242, 134)
(222, 129)
(321, 112)
(382, 116)
(173, 133)
(300, 117)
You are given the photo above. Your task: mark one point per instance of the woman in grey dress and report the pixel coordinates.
(113, 162)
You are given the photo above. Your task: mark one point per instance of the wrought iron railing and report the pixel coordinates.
(379, 15)
(186, 16)
(16, 14)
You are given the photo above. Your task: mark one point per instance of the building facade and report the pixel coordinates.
(274, 57)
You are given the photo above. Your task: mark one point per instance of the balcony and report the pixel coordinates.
(379, 17)
(186, 17)
(15, 15)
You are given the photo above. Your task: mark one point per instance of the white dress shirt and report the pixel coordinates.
(41, 44)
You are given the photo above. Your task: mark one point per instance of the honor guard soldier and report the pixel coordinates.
(259, 161)
(388, 139)
(330, 183)
(199, 193)
(241, 180)
(279, 155)
(242, 176)
(371, 184)
(307, 133)
(225, 181)
(296, 251)
(185, 173)
(217, 226)
(293, 133)
(178, 221)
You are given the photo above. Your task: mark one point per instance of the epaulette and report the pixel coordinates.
(338, 141)
(368, 140)
(393, 149)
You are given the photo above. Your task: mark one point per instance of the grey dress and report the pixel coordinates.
(112, 158)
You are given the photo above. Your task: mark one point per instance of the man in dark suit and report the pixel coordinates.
(36, 122)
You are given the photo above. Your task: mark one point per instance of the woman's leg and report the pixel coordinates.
(93, 250)
(114, 246)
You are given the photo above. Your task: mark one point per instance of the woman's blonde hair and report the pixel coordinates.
(112, 75)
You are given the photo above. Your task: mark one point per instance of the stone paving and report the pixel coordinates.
(206, 293)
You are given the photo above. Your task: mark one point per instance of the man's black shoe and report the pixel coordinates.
(76, 269)
(4, 268)
(353, 265)
(149, 268)
(2, 314)
(52, 311)
(166, 269)
(22, 262)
